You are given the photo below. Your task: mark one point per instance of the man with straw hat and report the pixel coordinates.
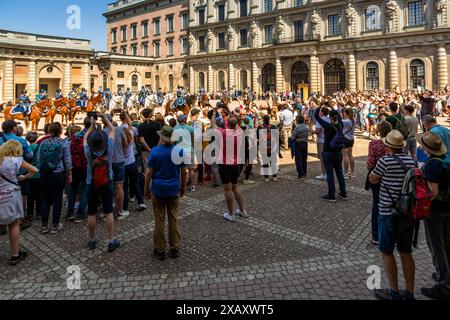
(393, 232)
(166, 189)
(437, 226)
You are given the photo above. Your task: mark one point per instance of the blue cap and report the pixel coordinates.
(182, 117)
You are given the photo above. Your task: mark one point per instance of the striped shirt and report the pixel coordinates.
(392, 174)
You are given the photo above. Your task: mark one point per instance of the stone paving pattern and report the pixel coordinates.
(293, 246)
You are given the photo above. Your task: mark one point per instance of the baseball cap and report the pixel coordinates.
(182, 117)
(9, 125)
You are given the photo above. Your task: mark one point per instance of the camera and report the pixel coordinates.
(93, 115)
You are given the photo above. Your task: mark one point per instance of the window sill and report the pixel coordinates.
(156, 34)
(414, 28)
(333, 37)
(145, 37)
(371, 31)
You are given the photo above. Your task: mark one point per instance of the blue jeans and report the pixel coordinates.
(78, 179)
(301, 157)
(375, 210)
(332, 162)
(52, 193)
(130, 185)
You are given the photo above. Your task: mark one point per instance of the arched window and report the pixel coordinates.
(134, 83)
(201, 80)
(171, 83)
(373, 17)
(157, 82)
(221, 80)
(299, 75)
(372, 76)
(334, 72)
(417, 74)
(105, 82)
(268, 77)
(185, 80)
(244, 83)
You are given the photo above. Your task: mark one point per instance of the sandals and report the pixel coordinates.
(15, 260)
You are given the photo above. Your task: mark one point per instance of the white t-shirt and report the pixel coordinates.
(10, 169)
(128, 151)
(321, 135)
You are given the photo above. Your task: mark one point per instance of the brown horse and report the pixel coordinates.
(62, 108)
(34, 117)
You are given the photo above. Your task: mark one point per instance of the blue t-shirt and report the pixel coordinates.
(166, 174)
(26, 147)
(87, 152)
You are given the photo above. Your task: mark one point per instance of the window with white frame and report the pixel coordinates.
(373, 17)
(334, 28)
(415, 13)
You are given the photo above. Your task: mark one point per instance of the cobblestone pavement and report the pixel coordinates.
(293, 246)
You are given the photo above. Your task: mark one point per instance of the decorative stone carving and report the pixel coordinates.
(200, 3)
(351, 16)
(191, 40)
(281, 28)
(210, 40)
(254, 35)
(392, 11)
(316, 22)
(230, 37)
(440, 13)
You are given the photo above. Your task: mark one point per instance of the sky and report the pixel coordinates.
(49, 17)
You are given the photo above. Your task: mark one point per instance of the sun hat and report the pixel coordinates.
(394, 140)
(166, 134)
(432, 143)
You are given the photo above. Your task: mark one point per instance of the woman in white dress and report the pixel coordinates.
(11, 204)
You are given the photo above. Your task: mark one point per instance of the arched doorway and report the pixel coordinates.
(268, 77)
(105, 82)
(244, 81)
(372, 76)
(417, 74)
(201, 80)
(134, 83)
(299, 75)
(50, 80)
(334, 72)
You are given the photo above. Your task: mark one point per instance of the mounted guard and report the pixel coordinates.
(23, 107)
(82, 98)
(107, 96)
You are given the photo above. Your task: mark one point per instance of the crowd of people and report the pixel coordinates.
(106, 164)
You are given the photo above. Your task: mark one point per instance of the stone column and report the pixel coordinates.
(255, 76)
(232, 11)
(351, 72)
(442, 67)
(393, 69)
(314, 73)
(231, 82)
(191, 80)
(32, 80)
(68, 79)
(279, 75)
(9, 81)
(210, 79)
(86, 82)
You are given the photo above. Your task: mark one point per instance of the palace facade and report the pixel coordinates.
(328, 45)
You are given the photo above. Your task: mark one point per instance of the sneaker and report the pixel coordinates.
(346, 177)
(322, 177)
(142, 206)
(343, 197)
(387, 294)
(113, 245)
(45, 230)
(70, 216)
(132, 199)
(174, 254)
(80, 219)
(246, 182)
(275, 179)
(55, 229)
(301, 178)
(193, 189)
(375, 243)
(161, 256)
(15, 260)
(241, 214)
(266, 180)
(122, 215)
(229, 217)
(92, 244)
(434, 293)
(329, 198)
(407, 296)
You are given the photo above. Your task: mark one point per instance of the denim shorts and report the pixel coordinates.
(394, 231)
(118, 172)
(95, 195)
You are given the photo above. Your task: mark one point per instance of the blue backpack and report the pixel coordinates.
(49, 156)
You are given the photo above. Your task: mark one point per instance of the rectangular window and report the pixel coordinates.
(244, 37)
(148, 75)
(157, 27)
(134, 50)
(243, 8)
(157, 49)
(145, 49)
(170, 47)
(268, 31)
(134, 32)
(268, 5)
(124, 50)
(201, 43)
(170, 24)
(201, 17)
(298, 3)
(415, 13)
(145, 29)
(221, 12)
(221, 37)
(298, 30)
(333, 25)
(184, 45)
(185, 21)
(120, 74)
(124, 34)
(114, 35)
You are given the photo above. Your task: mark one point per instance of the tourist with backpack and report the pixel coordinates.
(99, 149)
(55, 167)
(437, 225)
(397, 120)
(394, 230)
(11, 204)
(334, 143)
(79, 168)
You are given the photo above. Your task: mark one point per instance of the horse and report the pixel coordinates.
(35, 115)
(116, 105)
(62, 108)
(133, 103)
